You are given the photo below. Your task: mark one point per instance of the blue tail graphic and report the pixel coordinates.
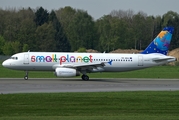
(161, 43)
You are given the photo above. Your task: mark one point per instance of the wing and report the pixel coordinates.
(88, 66)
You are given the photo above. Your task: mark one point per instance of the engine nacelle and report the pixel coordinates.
(66, 72)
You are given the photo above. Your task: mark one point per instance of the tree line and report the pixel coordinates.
(69, 29)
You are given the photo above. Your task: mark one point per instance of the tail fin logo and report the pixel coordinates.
(161, 43)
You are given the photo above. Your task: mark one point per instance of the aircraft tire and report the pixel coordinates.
(85, 77)
(82, 77)
(25, 77)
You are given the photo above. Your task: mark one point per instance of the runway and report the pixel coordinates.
(46, 85)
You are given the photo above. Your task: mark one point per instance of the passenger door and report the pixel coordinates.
(140, 60)
(26, 58)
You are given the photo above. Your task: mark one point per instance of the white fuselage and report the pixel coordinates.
(49, 61)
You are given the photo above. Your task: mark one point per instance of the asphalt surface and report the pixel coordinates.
(46, 85)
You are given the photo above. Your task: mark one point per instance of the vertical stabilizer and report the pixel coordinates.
(161, 43)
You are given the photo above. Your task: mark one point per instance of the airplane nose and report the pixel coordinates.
(5, 64)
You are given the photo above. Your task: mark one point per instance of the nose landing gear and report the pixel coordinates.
(26, 76)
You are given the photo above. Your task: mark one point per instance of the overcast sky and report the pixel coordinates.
(98, 8)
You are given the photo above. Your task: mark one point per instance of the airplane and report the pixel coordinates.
(69, 64)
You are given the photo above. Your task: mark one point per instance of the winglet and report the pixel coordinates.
(110, 62)
(161, 43)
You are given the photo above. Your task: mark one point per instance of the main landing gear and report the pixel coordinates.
(85, 77)
(26, 76)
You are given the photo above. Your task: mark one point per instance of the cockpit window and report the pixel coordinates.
(14, 58)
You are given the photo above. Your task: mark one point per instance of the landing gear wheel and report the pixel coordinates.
(85, 77)
(26, 76)
(82, 77)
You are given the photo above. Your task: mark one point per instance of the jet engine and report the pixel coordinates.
(66, 72)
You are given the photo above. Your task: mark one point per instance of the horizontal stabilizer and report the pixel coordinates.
(163, 59)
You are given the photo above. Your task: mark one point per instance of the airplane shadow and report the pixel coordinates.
(110, 80)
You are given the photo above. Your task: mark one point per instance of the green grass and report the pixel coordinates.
(104, 105)
(91, 106)
(154, 72)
